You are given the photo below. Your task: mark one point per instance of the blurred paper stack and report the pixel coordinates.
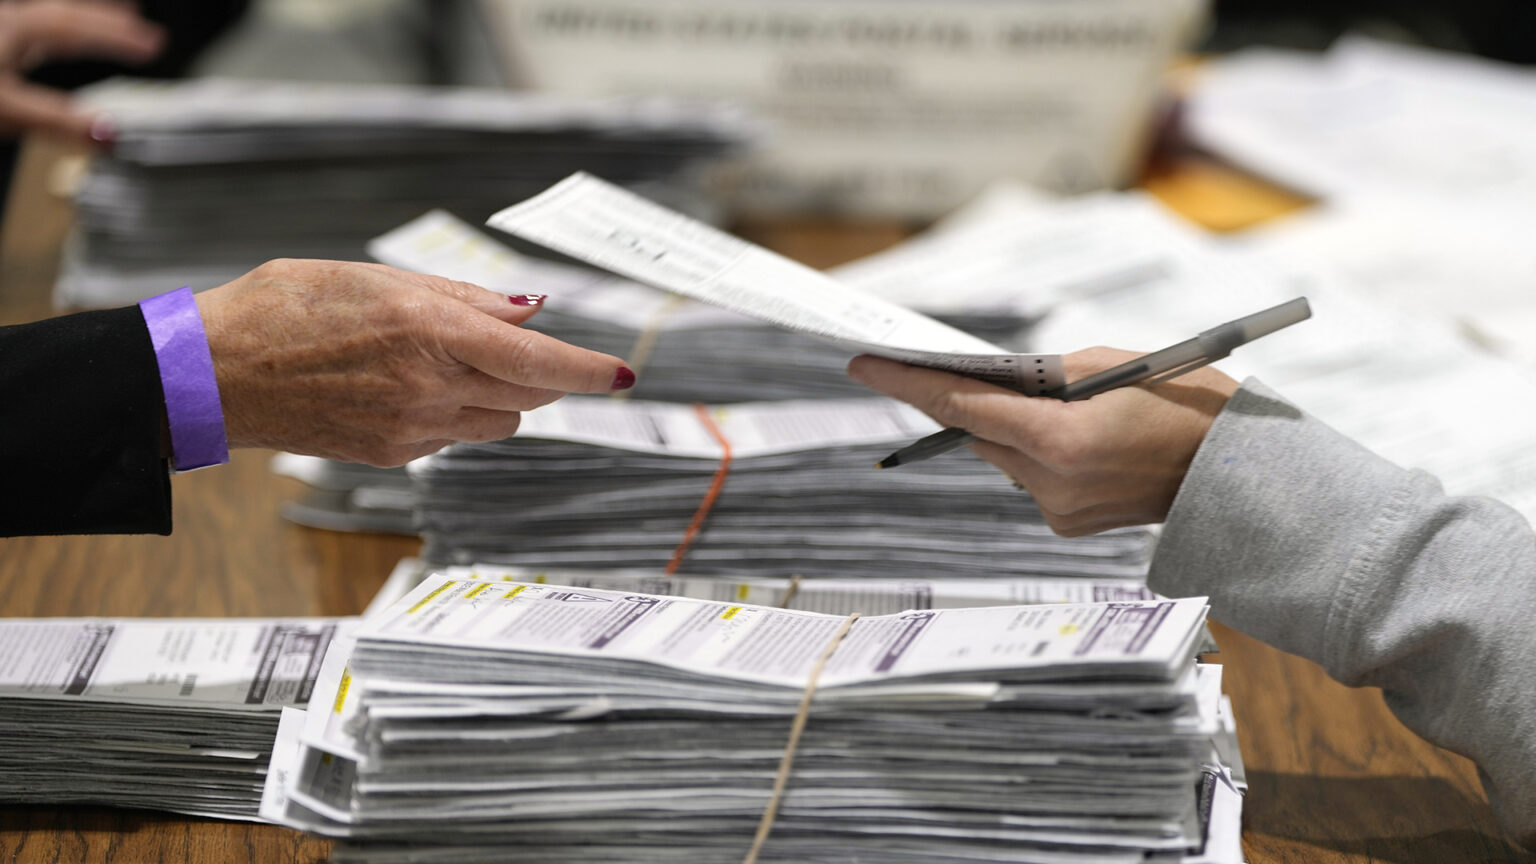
(604, 483)
(486, 721)
(211, 177)
(175, 714)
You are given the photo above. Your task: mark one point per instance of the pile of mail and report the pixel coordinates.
(173, 714)
(490, 721)
(211, 177)
(604, 483)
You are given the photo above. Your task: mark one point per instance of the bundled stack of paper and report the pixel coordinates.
(594, 482)
(175, 714)
(487, 721)
(211, 177)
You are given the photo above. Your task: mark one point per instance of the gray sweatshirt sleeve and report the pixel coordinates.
(1306, 540)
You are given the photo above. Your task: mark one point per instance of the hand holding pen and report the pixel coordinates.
(1091, 465)
(1187, 356)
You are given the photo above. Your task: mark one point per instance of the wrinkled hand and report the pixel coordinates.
(365, 363)
(1114, 460)
(36, 31)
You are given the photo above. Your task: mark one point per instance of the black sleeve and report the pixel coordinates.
(80, 427)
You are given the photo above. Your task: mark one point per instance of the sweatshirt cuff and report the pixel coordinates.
(192, 408)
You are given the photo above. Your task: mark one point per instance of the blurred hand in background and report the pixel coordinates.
(33, 32)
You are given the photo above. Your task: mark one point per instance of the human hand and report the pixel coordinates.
(1113, 460)
(366, 363)
(36, 31)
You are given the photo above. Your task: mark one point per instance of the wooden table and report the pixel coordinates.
(1334, 777)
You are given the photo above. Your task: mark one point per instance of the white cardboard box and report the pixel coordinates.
(877, 107)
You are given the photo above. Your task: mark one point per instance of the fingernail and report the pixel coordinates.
(527, 299)
(623, 379)
(104, 132)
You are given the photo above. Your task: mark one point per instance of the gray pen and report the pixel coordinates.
(1210, 346)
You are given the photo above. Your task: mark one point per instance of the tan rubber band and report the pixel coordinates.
(791, 591)
(765, 825)
(640, 352)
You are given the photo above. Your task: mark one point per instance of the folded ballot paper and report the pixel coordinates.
(682, 350)
(211, 177)
(600, 224)
(167, 714)
(751, 489)
(490, 721)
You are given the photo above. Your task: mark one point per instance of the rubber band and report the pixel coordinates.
(791, 591)
(709, 497)
(765, 825)
(640, 352)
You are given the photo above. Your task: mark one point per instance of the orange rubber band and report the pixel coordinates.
(709, 497)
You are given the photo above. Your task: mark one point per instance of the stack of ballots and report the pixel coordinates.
(168, 714)
(489, 721)
(749, 489)
(210, 177)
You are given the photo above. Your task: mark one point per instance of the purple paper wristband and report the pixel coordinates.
(187, 379)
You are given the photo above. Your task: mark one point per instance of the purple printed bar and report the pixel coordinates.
(187, 379)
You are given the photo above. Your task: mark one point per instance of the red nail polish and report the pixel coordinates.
(623, 379)
(527, 299)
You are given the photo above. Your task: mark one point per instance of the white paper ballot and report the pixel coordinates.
(593, 221)
(440, 243)
(827, 596)
(240, 664)
(779, 647)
